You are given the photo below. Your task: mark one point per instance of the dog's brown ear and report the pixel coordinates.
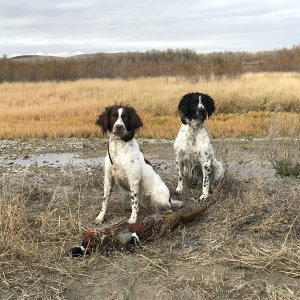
(103, 120)
(135, 120)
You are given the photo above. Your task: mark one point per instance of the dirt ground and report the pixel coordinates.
(245, 246)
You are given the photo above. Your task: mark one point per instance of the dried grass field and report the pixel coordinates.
(254, 105)
(245, 246)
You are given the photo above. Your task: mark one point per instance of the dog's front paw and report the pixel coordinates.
(132, 219)
(176, 203)
(179, 189)
(203, 197)
(99, 219)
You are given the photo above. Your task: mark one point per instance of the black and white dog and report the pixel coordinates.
(125, 163)
(194, 154)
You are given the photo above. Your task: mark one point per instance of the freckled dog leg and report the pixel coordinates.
(206, 170)
(179, 176)
(134, 196)
(108, 184)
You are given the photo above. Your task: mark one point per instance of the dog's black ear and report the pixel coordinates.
(208, 103)
(135, 120)
(103, 120)
(183, 107)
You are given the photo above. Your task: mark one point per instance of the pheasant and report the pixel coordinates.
(122, 236)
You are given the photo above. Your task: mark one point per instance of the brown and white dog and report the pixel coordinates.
(125, 163)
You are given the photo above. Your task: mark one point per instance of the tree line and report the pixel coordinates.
(127, 65)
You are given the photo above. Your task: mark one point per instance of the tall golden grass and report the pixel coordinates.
(254, 105)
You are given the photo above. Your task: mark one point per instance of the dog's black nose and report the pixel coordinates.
(201, 113)
(119, 127)
(201, 109)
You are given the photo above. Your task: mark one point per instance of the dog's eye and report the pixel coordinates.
(124, 117)
(114, 117)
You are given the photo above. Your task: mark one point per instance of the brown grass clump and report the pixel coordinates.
(286, 159)
(250, 106)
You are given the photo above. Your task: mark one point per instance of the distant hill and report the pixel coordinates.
(34, 57)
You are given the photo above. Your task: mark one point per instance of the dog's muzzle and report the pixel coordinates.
(119, 129)
(201, 113)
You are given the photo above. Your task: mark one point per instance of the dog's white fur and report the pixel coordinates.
(193, 150)
(127, 167)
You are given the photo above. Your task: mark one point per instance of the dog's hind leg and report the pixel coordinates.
(161, 197)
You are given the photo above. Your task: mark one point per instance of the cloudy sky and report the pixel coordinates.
(65, 27)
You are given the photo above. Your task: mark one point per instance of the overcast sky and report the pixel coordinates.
(64, 27)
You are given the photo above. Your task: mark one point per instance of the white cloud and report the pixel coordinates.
(64, 26)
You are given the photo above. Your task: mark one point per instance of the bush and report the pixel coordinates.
(287, 168)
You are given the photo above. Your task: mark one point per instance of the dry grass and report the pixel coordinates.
(253, 105)
(26, 258)
(246, 246)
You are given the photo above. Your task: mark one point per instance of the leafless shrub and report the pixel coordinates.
(285, 159)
